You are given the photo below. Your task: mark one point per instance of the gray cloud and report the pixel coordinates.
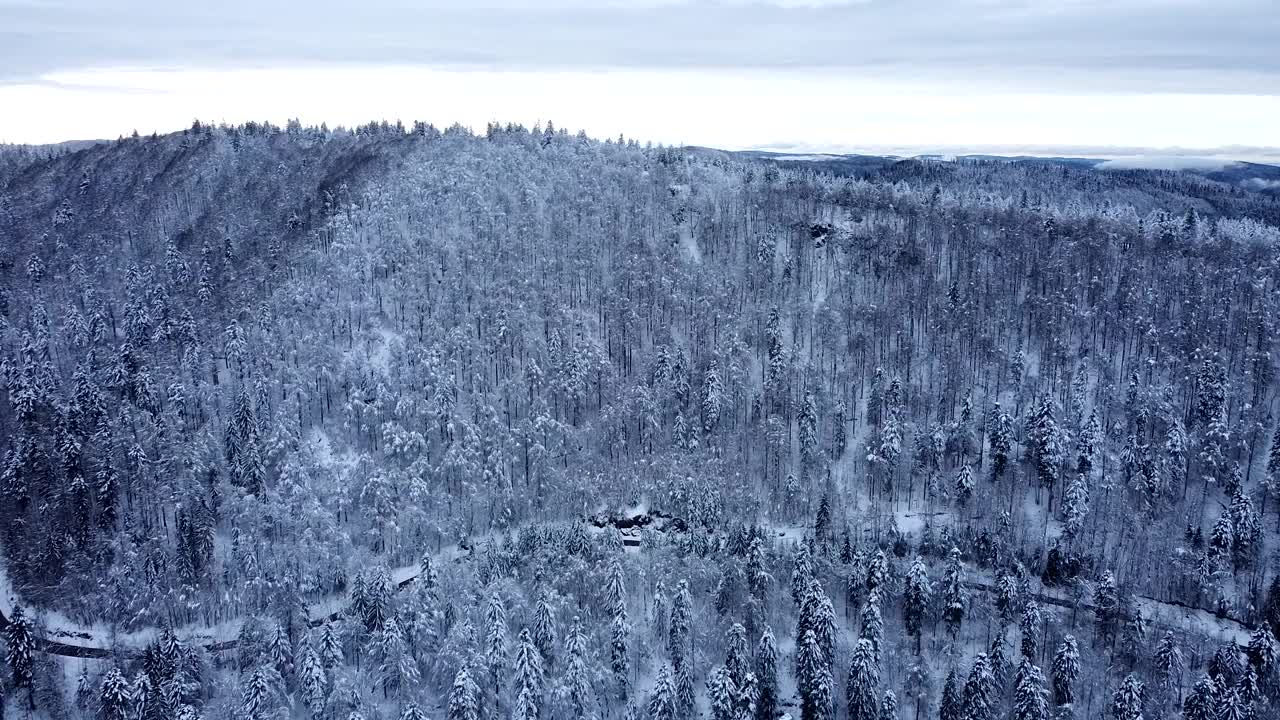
(1092, 46)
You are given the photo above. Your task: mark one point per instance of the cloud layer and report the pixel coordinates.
(1226, 46)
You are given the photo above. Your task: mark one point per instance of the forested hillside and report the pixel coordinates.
(401, 423)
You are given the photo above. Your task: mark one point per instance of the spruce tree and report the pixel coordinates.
(722, 694)
(114, 698)
(862, 688)
(979, 691)
(1168, 661)
(889, 706)
(1029, 695)
(662, 701)
(464, 697)
(1126, 701)
(813, 680)
(1202, 701)
(767, 674)
(951, 706)
(21, 648)
(528, 672)
(953, 594)
(915, 599)
(1066, 669)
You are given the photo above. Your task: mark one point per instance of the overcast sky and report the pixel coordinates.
(797, 74)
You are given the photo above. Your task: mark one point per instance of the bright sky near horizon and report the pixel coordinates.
(1089, 76)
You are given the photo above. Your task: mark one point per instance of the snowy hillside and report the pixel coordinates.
(403, 423)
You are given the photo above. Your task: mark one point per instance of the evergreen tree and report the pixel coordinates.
(863, 685)
(964, 485)
(1066, 669)
(1001, 434)
(413, 712)
(979, 691)
(1029, 698)
(722, 694)
(544, 628)
(114, 698)
(1168, 661)
(953, 594)
(464, 697)
(21, 652)
(813, 680)
(1075, 507)
(678, 627)
(314, 683)
(1126, 702)
(662, 701)
(581, 701)
(1202, 701)
(915, 599)
(619, 659)
(889, 706)
(1030, 626)
(767, 673)
(1106, 605)
(951, 706)
(528, 674)
(872, 624)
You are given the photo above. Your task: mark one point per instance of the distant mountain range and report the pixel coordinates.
(1248, 175)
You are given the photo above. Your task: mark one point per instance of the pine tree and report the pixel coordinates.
(979, 691)
(1029, 698)
(259, 698)
(495, 638)
(544, 628)
(678, 627)
(413, 712)
(863, 684)
(1030, 626)
(737, 660)
(915, 599)
(330, 647)
(801, 574)
(1202, 701)
(1075, 506)
(313, 682)
(767, 673)
(873, 624)
(889, 706)
(577, 681)
(464, 697)
(528, 671)
(818, 615)
(1066, 669)
(21, 652)
(1001, 433)
(813, 680)
(1168, 661)
(951, 706)
(619, 659)
(722, 694)
(964, 485)
(1261, 651)
(684, 689)
(1106, 604)
(953, 594)
(1126, 702)
(114, 698)
(280, 650)
(662, 701)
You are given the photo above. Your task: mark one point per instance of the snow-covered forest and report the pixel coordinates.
(399, 423)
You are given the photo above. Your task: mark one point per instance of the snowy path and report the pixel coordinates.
(71, 640)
